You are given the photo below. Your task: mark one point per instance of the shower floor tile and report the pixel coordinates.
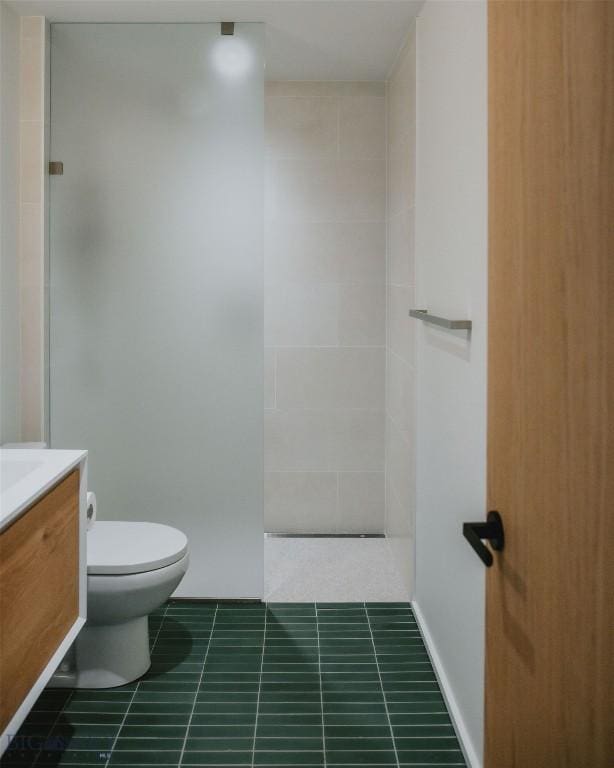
(282, 684)
(303, 569)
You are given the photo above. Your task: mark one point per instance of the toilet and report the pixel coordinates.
(132, 569)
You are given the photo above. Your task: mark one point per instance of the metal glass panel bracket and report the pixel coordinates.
(442, 322)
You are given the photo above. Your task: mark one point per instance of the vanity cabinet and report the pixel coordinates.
(42, 587)
(39, 590)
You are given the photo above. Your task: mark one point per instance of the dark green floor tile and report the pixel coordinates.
(294, 666)
(111, 694)
(221, 678)
(357, 718)
(343, 659)
(224, 718)
(279, 610)
(360, 757)
(217, 758)
(432, 743)
(337, 697)
(374, 744)
(163, 697)
(159, 742)
(333, 679)
(221, 731)
(335, 708)
(289, 685)
(430, 758)
(61, 730)
(299, 707)
(227, 707)
(144, 757)
(357, 731)
(289, 731)
(349, 667)
(412, 708)
(96, 706)
(168, 685)
(350, 687)
(289, 719)
(425, 686)
(289, 758)
(152, 731)
(408, 676)
(160, 707)
(226, 696)
(94, 718)
(435, 718)
(290, 696)
(72, 758)
(229, 667)
(152, 720)
(296, 744)
(86, 743)
(414, 731)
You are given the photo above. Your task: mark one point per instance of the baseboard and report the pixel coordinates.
(473, 761)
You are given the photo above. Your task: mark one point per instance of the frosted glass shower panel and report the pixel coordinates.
(156, 298)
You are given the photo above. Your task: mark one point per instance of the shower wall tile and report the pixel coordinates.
(401, 248)
(300, 314)
(325, 252)
(361, 189)
(357, 440)
(400, 361)
(362, 314)
(360, 502)
(400, 394)
(297, 440)
(401, 328)
(302, 126)
(300, 502)
(324, 440)
(338, 377)
(362, 124)
(325, 306)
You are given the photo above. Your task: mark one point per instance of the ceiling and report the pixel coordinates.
(306, 39)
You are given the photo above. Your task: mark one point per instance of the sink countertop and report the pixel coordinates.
(26, 474)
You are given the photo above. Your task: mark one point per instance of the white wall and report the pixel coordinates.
(401, 331)
(9, 215)
(451, 254)
(324, 316)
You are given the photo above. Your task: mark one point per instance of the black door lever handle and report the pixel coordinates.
(492, 530)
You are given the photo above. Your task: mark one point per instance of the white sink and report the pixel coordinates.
(12, 471)
(25, 474)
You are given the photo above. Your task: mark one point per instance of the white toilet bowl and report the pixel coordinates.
(133, 568)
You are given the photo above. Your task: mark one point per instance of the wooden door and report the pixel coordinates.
(550, 594)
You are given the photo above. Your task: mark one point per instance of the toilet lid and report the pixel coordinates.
(118, 547)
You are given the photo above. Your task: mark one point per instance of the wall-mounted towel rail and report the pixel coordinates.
(443, 322)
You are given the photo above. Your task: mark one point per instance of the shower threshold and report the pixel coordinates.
(325, 535)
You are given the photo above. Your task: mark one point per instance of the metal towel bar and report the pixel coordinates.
(442, 322)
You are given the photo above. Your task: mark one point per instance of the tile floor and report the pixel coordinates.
(311, 570)
(257, 685)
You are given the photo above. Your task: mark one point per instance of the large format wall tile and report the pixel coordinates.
(300, 502)
(360, 502)
(338, 377)
(325, 306)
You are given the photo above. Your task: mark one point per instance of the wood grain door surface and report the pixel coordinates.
(550, 594)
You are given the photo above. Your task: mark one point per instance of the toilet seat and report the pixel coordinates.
(120, 547)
